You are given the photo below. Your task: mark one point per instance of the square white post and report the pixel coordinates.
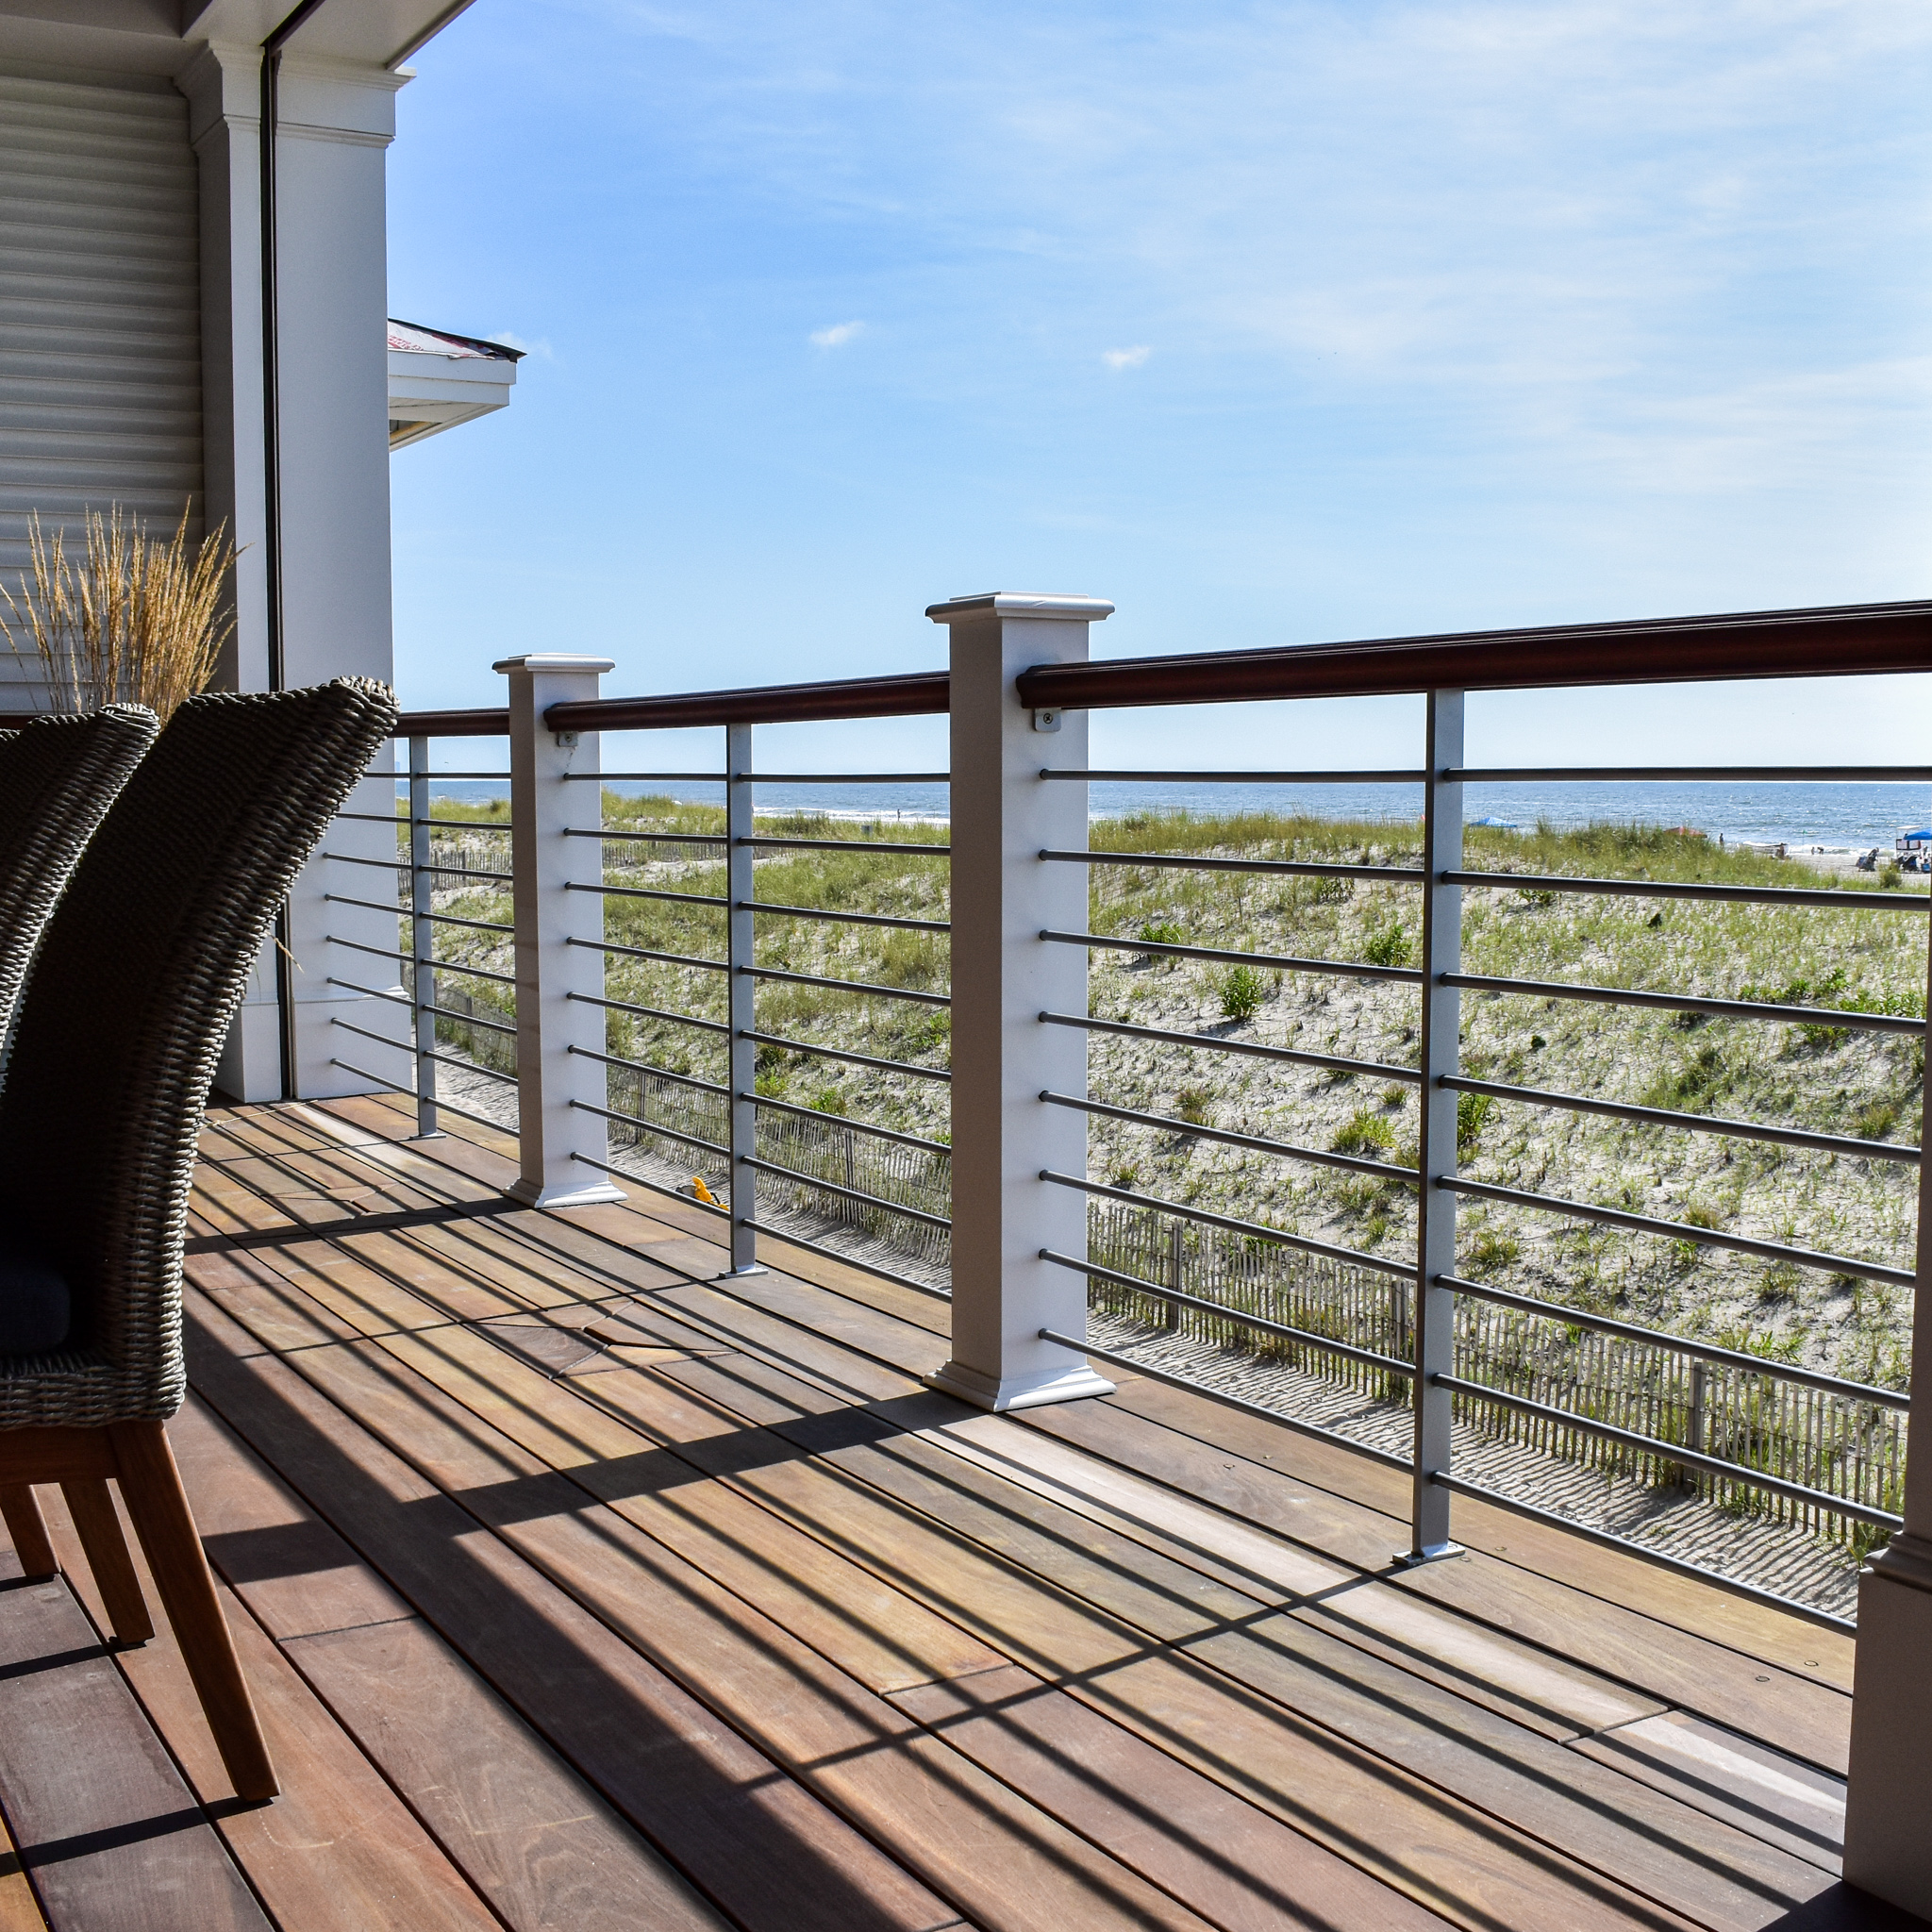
(1004, 977)
(554, 793)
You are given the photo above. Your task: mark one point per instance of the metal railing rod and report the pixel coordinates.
(372, 992)
(865, 985)
(646, 893)
(1670, 889)
(1252, 1230)
(1346, 969)
(377, 817)
(501, 778)
(844, 1260)
(591, 999)
(467, 1020)
(1402, 778)
(1167, 1123)
(612, 1060)
(843, 778)
(1769, 1011)
(1289, 1055)
(1295, 867)
(329, 939)
(1713, 774)
(1692, 1123)
(842, 1053)
(421, 1053)
(649, 837)
(647, 953)
(1679, 1344)
(641, 777)
(482, 1119)
(1674, 1452)
(812, 1113)
(475, 972)
(1116, 1359)
(1461, 1485)
(848, 918)
(812, 1180)
(462, 825)
(636, 1179)
(1328, 1344)
(350, 858)
(456, 919)
(1680, 1231)
(852, 845)
(637, 1120)
(403, 999)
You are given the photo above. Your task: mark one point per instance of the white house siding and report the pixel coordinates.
(100, 354)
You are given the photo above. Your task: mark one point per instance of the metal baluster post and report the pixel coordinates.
(422, 938)
(1435, 1307)
(740, 996)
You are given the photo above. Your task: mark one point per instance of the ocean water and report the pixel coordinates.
(1838, 817)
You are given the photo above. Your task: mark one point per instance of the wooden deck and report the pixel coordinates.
(581, 1591)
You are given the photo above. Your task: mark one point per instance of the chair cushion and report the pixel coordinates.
(35, 1311)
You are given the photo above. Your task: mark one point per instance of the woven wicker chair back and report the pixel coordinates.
(123, 1021)
(58, 778)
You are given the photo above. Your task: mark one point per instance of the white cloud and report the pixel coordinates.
(540, 348)
(836, 336)
(1126, 358)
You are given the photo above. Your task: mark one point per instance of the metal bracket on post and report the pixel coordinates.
(1435, 1233)
(1004, 1293)
(560, 1094)
(421, 939)
(740, 888)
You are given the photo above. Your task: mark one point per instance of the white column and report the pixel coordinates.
(554, 791)
(1889, 1800)
(336, 121)
(1003, 976)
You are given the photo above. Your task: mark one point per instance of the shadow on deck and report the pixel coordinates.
(579, 1590)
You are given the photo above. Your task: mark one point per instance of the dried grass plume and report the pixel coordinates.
(136, 619)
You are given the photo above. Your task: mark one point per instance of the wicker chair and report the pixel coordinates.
(140, 976)
(58, 778)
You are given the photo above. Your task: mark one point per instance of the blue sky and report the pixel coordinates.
(1271, 323)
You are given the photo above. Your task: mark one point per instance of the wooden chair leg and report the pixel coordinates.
(151, 1484)
(28, 1530)
(99, 1530)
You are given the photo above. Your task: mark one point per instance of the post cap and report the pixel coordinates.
(1021, 603)
(553, 661)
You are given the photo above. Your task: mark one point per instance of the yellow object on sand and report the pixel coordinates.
(703, 1192)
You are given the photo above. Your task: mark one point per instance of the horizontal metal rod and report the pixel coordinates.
(812, 1180)
(1696, 774)
(401, 911)
(591, 999)
(1399, 875)
(1677, 1344)
(379, 818)
(889, 993)
(646, 893)
(1400, 777)
(846, 918)
(844, 1260)
(1766, 1010)
(1670, 889)
(422, 1052)
(612, 1060)
(471, 972)
(647, 953)
(814, 1113)
(842, 1053)
(482, 1119)
(396, 998)
(1673, 1451)
(1346, 969)
(650, 1127)
(851, 845)
(403, 999)
(843, 778)
(467, 1019)
(387, 864)
(1291, 1054)
(644, 777)
(1252, 1230)
(496, 778)
(911, 695)
(625, 1173)
(649, 837)
(1167, 1123)
(1679, 1231)
(329, 939)
(462, 825)
(1326, 1343)
(1692, 1122)
(1115, 1359)
(1461, 1485)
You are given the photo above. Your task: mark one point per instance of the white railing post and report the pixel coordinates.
(1004, 977)
(422, 938)
(1888, 1796)
(741, 1191)
(553, 793)
(1435, 1307)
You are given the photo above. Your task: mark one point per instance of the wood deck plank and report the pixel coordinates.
(19, 1910)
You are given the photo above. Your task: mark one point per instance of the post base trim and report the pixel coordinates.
(1019, 1392)
(1432, 1553)
(533, 1194)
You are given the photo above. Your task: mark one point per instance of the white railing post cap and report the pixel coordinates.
(1035, 604)
(553, 661)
